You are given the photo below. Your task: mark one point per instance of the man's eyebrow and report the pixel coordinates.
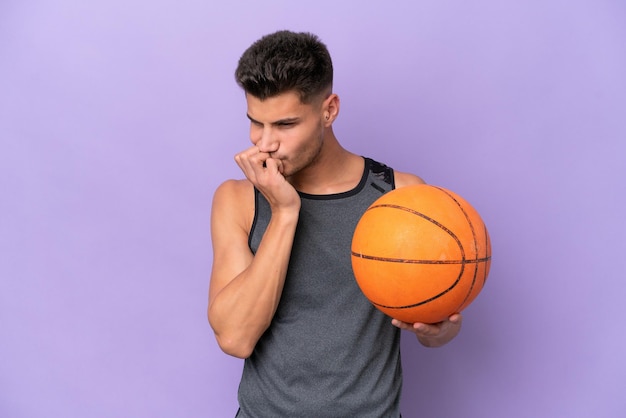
(277, 122)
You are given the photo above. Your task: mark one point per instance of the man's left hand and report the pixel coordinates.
(433, 335)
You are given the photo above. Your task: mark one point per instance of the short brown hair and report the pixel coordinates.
(286, 61)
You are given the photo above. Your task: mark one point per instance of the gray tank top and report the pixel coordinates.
(328, 352)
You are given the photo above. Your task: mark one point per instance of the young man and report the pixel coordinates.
(282, 293)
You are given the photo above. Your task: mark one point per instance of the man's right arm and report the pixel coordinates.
(245, 289)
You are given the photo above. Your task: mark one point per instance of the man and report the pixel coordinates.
(282, 293)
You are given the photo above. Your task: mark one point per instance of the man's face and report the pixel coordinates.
(287, 129)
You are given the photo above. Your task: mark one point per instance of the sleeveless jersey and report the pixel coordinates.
(328, 352)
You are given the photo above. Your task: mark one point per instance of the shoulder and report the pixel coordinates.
(234, 200)
(233, 189)
(406, 179)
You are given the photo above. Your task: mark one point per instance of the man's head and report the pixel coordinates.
(286, 61)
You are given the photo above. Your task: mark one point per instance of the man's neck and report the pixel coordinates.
(336, 171)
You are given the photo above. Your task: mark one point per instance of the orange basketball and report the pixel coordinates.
(421, 253)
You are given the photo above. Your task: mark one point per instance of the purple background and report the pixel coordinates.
(119, 119)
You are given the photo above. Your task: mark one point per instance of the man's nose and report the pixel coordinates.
(267, 142)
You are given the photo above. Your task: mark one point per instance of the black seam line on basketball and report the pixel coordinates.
(474, 279)
(428, 218)
(487, 245)
(414, 305)
(410, 261)
(469, 291)
(471, 225)
(452, 286)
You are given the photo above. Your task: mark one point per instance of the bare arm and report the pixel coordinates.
(245, 289)
(406, 179)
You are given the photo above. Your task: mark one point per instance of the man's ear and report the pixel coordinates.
(330, 107)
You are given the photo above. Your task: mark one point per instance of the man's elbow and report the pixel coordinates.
(232, 347)
(232, 344)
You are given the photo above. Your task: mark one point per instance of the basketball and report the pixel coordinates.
(421, 253)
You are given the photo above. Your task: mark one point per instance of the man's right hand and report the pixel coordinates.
(266, 174)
